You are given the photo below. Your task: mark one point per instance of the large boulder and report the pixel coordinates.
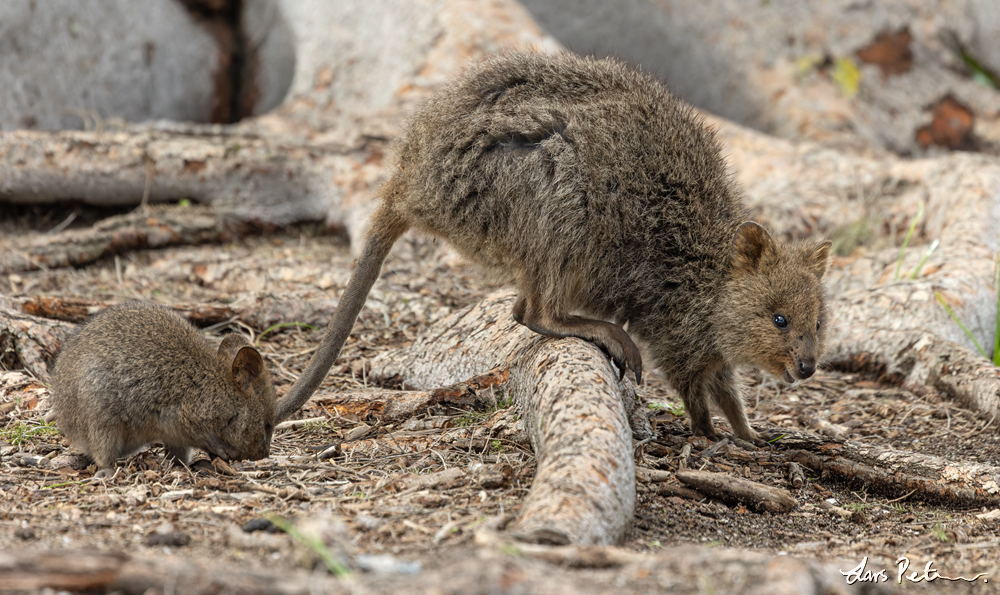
(894, 75)
(73, 65)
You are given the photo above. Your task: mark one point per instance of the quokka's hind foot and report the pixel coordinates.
(610, 338)
(105, 472)
(619, 347)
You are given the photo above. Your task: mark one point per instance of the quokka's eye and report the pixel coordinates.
(817, 326)
(780, 321)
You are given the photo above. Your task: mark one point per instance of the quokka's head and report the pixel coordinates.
(246, 414)
(772, 314)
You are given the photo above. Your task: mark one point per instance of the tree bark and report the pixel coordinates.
(490, 567)
(27, 341)
(395, 406)
(576, 414)
(974, 476)
(736, 490)
(254, 178)
(150, 228)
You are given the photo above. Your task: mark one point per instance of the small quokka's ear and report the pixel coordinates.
(231, 344)
(819, 258)
(750, 244)
(247, 367)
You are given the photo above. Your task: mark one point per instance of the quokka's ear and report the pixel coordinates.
(819, 258)
(750, 244)
(231, 344)
(247, 367)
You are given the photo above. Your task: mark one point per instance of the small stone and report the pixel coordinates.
(175, 539)
(260, 524)
(25, 533)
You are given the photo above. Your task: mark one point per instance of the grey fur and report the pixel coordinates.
(589, 188)
(139, 373)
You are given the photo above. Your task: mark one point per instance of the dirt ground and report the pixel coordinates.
(421, 507)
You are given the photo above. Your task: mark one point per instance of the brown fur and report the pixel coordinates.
(139, 373)
(596, 194)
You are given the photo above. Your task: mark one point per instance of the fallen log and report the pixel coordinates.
(897, 485)
(267, 179)
(154, 227)
(256, 310)
(736, 490)
(29, 342)
(393, 406)
(63, 570)
(979, 476)
(575, 410)
(76, 309)
(895, 473)
(498, 564)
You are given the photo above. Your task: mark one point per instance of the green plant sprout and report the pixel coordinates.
(996, 343)
(980, 74)
(20, 434)
(64, 484)
(677, 409)
(335, 566)
(906, 241)
(939, 533)
(472, 418)
(275, 327)
(923, 260)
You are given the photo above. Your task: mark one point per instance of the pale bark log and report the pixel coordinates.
(258, 310)
(154, 228)
(576, 413)
(896, 473)
(76, 309)
(490, 567)
(63, 570)
(253, 177)
(394, 406)
(976, 476)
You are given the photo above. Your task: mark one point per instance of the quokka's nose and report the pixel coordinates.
(806, 369)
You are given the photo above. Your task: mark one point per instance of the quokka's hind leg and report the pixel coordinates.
(725, 390)
(105, 453)
(609, 337)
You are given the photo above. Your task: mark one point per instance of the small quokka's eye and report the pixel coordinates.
(780, 321)
(817, 326)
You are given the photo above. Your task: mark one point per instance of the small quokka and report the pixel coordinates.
(603, 200)
(139, 373)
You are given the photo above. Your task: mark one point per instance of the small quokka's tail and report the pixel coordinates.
(386, 229)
